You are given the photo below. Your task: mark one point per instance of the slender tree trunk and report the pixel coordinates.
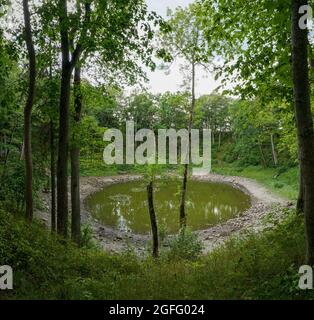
(6, 144)
(64, 110)
(52, 167)
(219, 140)
(304, 122)
(53, 177)
(153, 220)
(62, 174)
(183, 197)
(264, 162)
(75, 161)
(273, 149)
(22, 154)
(186, 166)
(2, 146)
(28, 114)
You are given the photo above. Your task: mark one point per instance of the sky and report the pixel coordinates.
(160, 6)
(159, 81)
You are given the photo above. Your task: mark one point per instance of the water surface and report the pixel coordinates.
(124, 206)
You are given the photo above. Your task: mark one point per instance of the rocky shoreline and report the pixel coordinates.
(115, 241)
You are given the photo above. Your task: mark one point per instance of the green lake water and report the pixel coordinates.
(123, 206)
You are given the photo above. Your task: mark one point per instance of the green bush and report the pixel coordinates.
(162, 231)
(87, 238)
(12, 186)
(186, 245)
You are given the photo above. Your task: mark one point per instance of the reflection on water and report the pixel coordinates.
(124, 206)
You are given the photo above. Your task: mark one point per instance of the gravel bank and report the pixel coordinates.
(262, 200)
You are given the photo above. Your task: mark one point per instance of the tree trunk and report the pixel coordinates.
(64, 110)
(186, 166)
(28, 114)
(263, 159)
(300, 202)
(153, 220)
(22, 153)
(273, 149)
(62, 174)
(6, 146)
(183, 197)
(2, 146)
(75, 161)
(219, 140)
(304, 122)
(52, 177)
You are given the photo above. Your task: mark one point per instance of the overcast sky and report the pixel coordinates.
(160, 6)
(159, 81)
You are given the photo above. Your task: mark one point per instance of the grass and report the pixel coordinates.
(282, 181)
(263, 266)
(97, 168)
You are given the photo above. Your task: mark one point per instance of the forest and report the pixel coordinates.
(75, 227)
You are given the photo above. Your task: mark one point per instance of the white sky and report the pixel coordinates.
(159, 81)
